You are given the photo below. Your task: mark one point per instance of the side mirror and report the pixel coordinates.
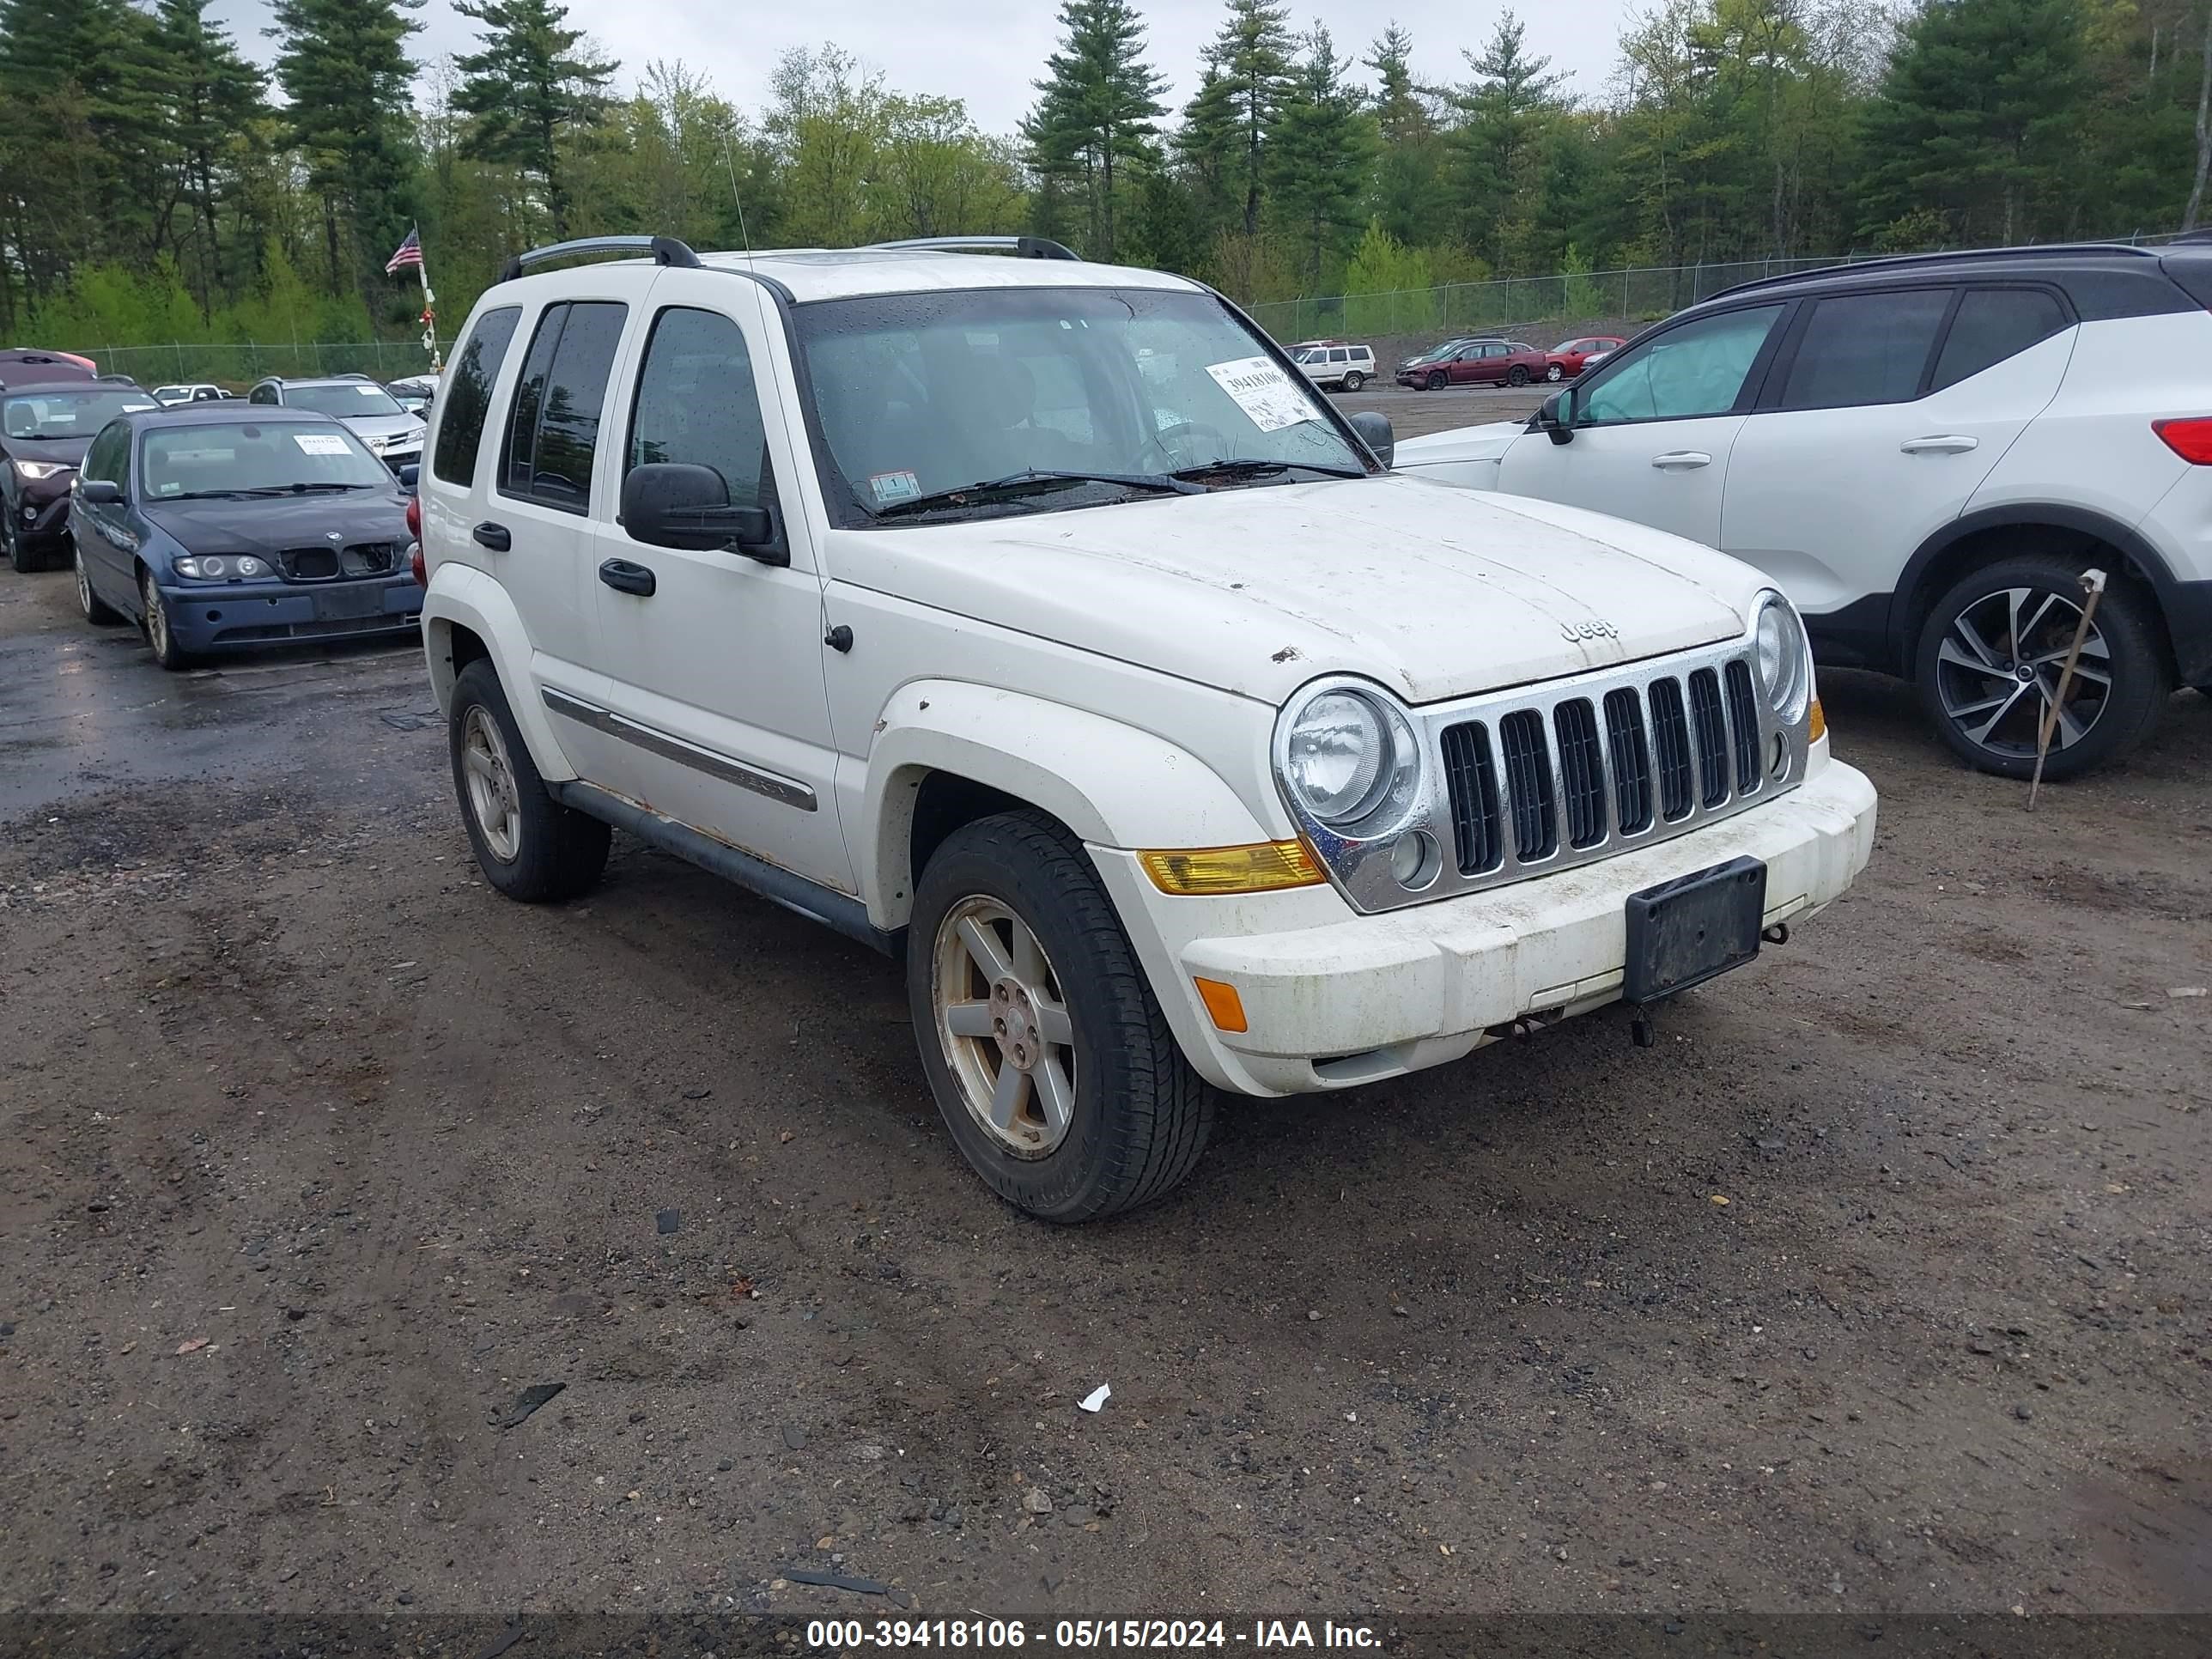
(410, 477)
(677, 504)
(100, 492)
(1374, 429)
(1556, 416)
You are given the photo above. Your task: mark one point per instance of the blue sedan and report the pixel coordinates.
(212, 528)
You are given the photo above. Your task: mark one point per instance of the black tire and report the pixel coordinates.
(154, 623)
(1516, 375)
(20, 555)
(97, 611)
(1438, 379)
(1141, 1115)
(2140, 675)
(1354, 380)
(558, 852)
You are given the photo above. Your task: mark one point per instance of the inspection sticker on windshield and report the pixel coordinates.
(890, 487)
(1263, 392)
(320, 443)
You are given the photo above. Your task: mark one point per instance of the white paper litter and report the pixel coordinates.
(1096, 1397)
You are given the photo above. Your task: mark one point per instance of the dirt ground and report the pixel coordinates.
(1878, 1287)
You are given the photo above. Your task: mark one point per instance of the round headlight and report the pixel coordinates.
(1785, 669)
(1347, 756)
(214, 567)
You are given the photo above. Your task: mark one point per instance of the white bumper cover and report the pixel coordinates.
(1332, 997)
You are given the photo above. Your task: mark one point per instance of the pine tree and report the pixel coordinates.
(343, 65)
(1319, 148)
(532, 86)
(1978, 118)
(213, 96)
(1097, 107)
(1503, 112)
(1248, 71)
(1409, 188)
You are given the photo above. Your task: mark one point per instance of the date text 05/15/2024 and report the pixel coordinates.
(1167, 1635)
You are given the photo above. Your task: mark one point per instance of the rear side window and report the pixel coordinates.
(1862, 348)
(1992, 324)
(467, 399)
(697, 403)
(262, 394)
(553, 433)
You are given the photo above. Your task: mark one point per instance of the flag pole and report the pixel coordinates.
(429, 307)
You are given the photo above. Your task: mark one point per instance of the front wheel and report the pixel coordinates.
(1354, 380)
(527, 844)
(12, 543)
(1989, 659)
(1438, 378)
(1049, 1057)
(160, 637)
(1554, 373)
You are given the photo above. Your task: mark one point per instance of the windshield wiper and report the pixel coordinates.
(200, 496)
(1253, 469)
(293, 489)
(1015, 485)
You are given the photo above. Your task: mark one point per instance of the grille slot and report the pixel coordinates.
(1710, 728)
(308, 564)
(1670, 731)
(1528, 785)
(1631, 754)
(369, 559)
(1743, 726)
(1581, 771)
(1471, 776)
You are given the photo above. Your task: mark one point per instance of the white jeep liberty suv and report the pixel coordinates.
(1034, 619)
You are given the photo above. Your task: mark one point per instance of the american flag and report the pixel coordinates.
(411, 253)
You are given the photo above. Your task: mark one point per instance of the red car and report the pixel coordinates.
(1477, 362)
(1569, 358)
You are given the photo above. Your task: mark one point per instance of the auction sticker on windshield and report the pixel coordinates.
(320, 443)
(1263, 392)
(890, 487)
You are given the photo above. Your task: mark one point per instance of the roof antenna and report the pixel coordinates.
(737, 198)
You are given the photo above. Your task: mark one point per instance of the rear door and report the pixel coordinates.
(1886, 412)
(1653, 428)
(715, 676)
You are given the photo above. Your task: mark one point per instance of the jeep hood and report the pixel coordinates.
(1434, 591)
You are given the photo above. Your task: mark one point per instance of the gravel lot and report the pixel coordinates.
(1878, 1286)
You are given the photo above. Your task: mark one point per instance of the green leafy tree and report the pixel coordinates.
(533, 87)
(826, 117)
(345, 67)
(1319, 148)
(1096, 116)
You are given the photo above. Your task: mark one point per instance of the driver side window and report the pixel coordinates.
(1695, 370)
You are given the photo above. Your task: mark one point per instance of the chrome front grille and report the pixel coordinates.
(1565, 772)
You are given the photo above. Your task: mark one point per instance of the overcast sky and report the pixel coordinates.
(989, 51)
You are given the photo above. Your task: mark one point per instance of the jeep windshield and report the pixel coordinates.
(209, 460)
(930, 406)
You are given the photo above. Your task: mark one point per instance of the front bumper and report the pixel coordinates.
(40, 520)
(1333, 999)
(218, 616)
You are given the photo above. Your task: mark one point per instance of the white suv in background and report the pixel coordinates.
(1034, 621)
(1334, 366)
(1927, 453)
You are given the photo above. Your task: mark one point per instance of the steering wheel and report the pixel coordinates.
(1189, 443)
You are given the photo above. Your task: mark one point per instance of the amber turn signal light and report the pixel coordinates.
(1208, 871)
(1816, 724)
(1222, 1003)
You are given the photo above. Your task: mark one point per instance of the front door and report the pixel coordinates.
(716, 677)
(1653, 428)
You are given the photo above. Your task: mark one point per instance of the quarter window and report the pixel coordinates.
(1697, 369)
(1992, 324)
(696, 403)
(467, 398)
(553, 432)
(1862, 348)
(262, 394)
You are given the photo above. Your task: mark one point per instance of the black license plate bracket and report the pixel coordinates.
(1687, 931)
(350, 604)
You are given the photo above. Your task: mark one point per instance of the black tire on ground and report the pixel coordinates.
(1517, 375)
(1438, 379)
(97, 611)
(558, 852)
(1141, 1115)
(153, 621)
(1354, 380)
(18, 551)
(2141, 678)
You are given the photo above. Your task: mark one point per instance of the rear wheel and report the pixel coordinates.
(529, 846)
(1438, 379)
(160, 638)
(97, 611)
(1354, 380)
(1050, 1060)
(1517, 375)
(1990, 661)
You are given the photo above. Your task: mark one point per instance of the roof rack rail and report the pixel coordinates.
(1021, 247)
(664, 250)
(1906, 261)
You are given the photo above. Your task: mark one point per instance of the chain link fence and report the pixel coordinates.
(238, 367)
(1636, 295)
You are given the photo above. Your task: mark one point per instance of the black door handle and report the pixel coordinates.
(627, 578)
(493, 536)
